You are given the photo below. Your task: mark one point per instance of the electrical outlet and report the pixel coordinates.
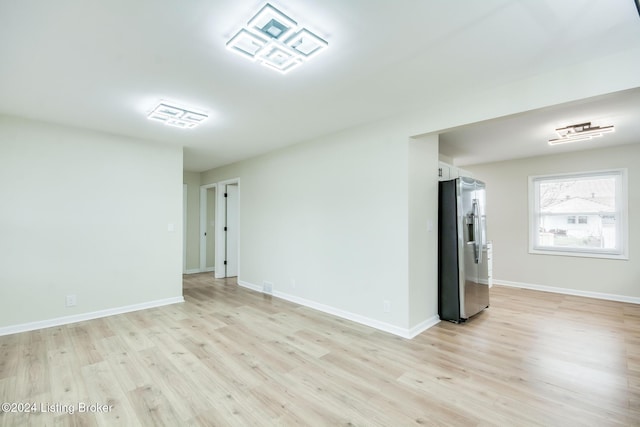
(293, 283)
(386, 306)
(267, 287)
(70, 301)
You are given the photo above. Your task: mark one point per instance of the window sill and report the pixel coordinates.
(579, 254)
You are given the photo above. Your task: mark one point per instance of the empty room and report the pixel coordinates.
(319, 212)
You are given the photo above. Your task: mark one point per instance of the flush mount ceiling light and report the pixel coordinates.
(175, 116)
(276, 41)
(579, 132)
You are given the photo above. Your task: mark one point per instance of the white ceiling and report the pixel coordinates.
(527, 134)
(103, 64)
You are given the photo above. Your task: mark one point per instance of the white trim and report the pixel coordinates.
(578, 253)
(423, 326)
(250, 286)
(58, 321)
(367, 321)
(567, 291)
(193, 271)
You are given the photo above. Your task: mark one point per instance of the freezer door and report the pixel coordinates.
(466, 244)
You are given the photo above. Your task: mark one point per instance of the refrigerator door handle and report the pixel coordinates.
(476, 231)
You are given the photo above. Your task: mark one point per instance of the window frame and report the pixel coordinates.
(622, 227)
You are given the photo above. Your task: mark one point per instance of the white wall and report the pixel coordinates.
(343, 215)
(423, 229)
(507, 216)
(331, 215)
(211, 229)
(85, 213)
(192, 179)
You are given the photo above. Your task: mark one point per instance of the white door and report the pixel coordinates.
(231, 230)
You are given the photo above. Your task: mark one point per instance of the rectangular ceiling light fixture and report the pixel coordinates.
(579, 132)
(179, 117)
(276, 41)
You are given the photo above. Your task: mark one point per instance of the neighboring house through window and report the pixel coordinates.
(582, 214)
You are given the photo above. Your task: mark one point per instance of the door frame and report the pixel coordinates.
(220, 222)
(203, 225)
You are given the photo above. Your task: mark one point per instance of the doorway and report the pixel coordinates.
(208, 203)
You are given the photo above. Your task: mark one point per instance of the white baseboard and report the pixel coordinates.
(197, 270)
(423, 326)
(249, 286)
(367, 321)
(42, 324)
(489, 283)
(567, 291)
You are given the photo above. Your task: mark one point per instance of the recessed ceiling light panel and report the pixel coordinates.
(273, 39)
(175, 116)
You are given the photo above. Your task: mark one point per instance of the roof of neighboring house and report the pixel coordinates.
(581, 204)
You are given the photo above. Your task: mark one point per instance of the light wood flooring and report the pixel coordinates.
(233, 357)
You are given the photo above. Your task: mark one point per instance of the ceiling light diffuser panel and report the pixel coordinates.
(274, 40)
(579, 132)
(246, 43)
(175, 116)
(271, 22)
(307, 44)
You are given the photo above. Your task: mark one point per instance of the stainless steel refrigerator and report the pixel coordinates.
(463, 286)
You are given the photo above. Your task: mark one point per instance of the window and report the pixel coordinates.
(581, 214)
